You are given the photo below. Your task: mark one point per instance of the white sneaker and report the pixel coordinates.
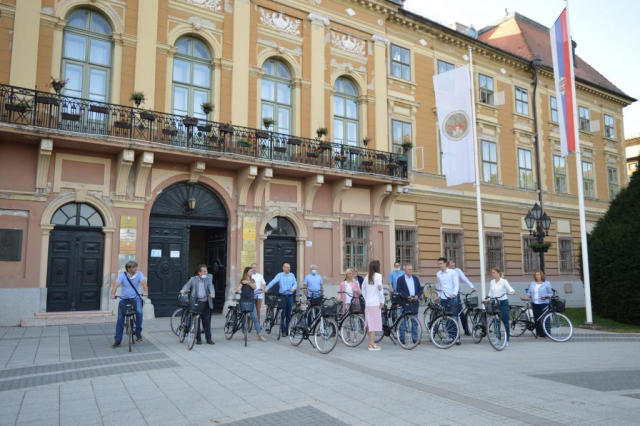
(354, 340)
(506, 344)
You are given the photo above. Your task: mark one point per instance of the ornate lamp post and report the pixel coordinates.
(538, 223)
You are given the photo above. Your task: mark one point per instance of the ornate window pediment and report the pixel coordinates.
(279, 21)
(348, 44)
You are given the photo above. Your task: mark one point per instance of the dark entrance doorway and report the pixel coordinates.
(279, 247)
(76, 256)
(188, 226)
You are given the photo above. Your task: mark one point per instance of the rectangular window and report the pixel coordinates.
(609, 127)
(444, 66)
(522, 101)
(565, 254)
(356, 245)
(406, 245)
(614, 183)
(400, 62)
(554, 109)
(588, 180)
(401, 132)
(585, 120)
(525, 169)
(489, 162)
(494, 250)
(452, 244)
(560, 174)
(486, 89)
(530, 260)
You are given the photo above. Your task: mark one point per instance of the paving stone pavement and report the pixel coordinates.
(71, 376)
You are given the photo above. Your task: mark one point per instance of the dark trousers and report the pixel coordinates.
(206, 322)
(463, 320)
(286, 312)
(538, 308)
(120, 323)
(504, 308)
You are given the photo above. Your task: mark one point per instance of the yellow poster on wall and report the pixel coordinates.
(127, 247)
(249, 228)
(249, 245)
(247, 258)
(128, 222)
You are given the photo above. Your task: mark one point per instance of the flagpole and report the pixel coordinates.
(478, 201)
(581, 208)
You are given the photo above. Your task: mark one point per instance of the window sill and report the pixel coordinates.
(399, 80)
(586, 132)
(610, 139)
(484, 105)
(527, 117)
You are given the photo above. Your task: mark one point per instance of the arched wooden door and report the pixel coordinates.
(279, 247)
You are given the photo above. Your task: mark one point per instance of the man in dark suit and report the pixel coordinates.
(408, 286)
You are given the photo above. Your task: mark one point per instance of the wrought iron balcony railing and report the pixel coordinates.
(53, 111)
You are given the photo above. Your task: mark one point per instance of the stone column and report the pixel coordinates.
(240, 79)
(318, 23)
(382, 139)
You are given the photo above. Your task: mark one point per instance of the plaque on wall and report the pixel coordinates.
(10, 245)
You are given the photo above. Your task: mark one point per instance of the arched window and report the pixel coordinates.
(86, 56)
(280, 227)
(77, 214)
(345, 113)
(276, 95)
(191, 77)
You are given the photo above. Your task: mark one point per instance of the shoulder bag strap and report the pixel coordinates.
(132, 286)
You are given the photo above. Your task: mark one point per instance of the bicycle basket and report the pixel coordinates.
(396, 299)
(329, 308)
(315, 300)
(559, 305)
(494, 307)
(246, 305)
(451, 307)
(410, 307)
(472, 302)
(358, 304)
(129, 308)
(282, 301)
(271, 300)
(197, 306)
(183, 300)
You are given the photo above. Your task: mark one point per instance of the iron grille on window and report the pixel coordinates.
(494, 250)
(566, 254)
(356, 242)
(452, 246)
(530, 260)
(407, 245)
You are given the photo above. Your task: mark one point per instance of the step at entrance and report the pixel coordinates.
(45, 319)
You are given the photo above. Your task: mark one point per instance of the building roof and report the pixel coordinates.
(633, 140)
(523, 37)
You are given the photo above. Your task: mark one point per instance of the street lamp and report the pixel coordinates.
(538, 223)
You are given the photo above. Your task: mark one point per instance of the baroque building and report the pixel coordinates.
(90, 179)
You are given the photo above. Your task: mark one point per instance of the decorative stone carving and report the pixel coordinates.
(207, 4)
(320, 18)
(280, 22)
(348, 44)
(379, 38)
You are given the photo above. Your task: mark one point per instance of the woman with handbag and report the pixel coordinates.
(540, 294)
(246, 288)
(374, 301)
(350, 289)
(498, 287)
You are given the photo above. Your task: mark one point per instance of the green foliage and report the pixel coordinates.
(614, 258)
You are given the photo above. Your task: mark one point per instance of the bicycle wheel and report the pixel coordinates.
(193, 329)
(326, 335)
(296, 329)
(497, 333)
(184, 328)
(230, 324)
(379, 335)
(131, 322)
(250, 324)
(557, 326)
(268, 320)
(478, 333)
(176, 320)
(412, 326)
(518, 321)
(470, 317)
(426, 317)
(422, 300)
(312, 313)
(352, 331)
(245, 319)
(444, 332)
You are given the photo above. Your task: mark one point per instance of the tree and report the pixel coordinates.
(614, 258)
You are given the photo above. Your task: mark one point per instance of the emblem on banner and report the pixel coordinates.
(456, 125)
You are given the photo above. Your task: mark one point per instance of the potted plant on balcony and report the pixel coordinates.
(70, 116)
(123, 123)
(339, 156)
(212, 137)
(138, 98)
(294, 141)
(315, 153)
(268, 122)
(321, 131)
(145, 114)
(366, 141)
(245, 143)
(170, 129)
(57, 84)
(189, 121)
(406, 142)
(18, 106)
(207, 107)
(226, 127)
(100, 109)
(542, 247)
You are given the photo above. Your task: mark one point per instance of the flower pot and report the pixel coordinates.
(294, 141)
(70, 117)
(402, 159)
(540, 249)
(354, 151)
(367, 163)
(57, 87)
(206, 128)
(262, 135)
(137, 102)
(48, 100)
(325, 145)
(190, 122)
(313, 154)
(280, 148)
(99, 109)
(122, 125)
(147, 116)
(170, 132)
(244, 144)
(16, 108)
(320, 135)
(226, 129)
(207, 111)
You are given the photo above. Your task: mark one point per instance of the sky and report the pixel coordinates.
(607, 34)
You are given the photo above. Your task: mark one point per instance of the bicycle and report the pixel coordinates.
(189, 328)
(470, 310)
(130, 320)
(275, 303)
(351, 322)
(323, 328)
(429, 294)
(391, 328)
(495, 328)
(238, 317)
(555, 324)
(442, 323)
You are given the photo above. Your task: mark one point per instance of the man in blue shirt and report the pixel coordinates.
(288, 285)
(134, 285)
(393, 276)
(313, 282)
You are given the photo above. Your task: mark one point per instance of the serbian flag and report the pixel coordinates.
(562, 52)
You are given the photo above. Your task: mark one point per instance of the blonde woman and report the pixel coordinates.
(374, 301)
(497, 289)
(350, 289)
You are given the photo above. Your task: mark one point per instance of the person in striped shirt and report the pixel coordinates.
(288, 285)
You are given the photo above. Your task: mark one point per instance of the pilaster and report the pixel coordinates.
(338, 189)
(311, 186)
(125, 161)
(380, 192)
(318, 24)
(143, 167)
(240, 75)
(145, 70)
(44, 159)
(382, 139)
(246, 177)
(264, 176)
(24, 46)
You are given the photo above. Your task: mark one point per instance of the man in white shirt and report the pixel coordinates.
(463, 278)
(259, 291)
(449, 284)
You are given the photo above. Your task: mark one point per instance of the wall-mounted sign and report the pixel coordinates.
(156, 253)
(127, 247)
(127, 234)
(128, 222)
(175, 253)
